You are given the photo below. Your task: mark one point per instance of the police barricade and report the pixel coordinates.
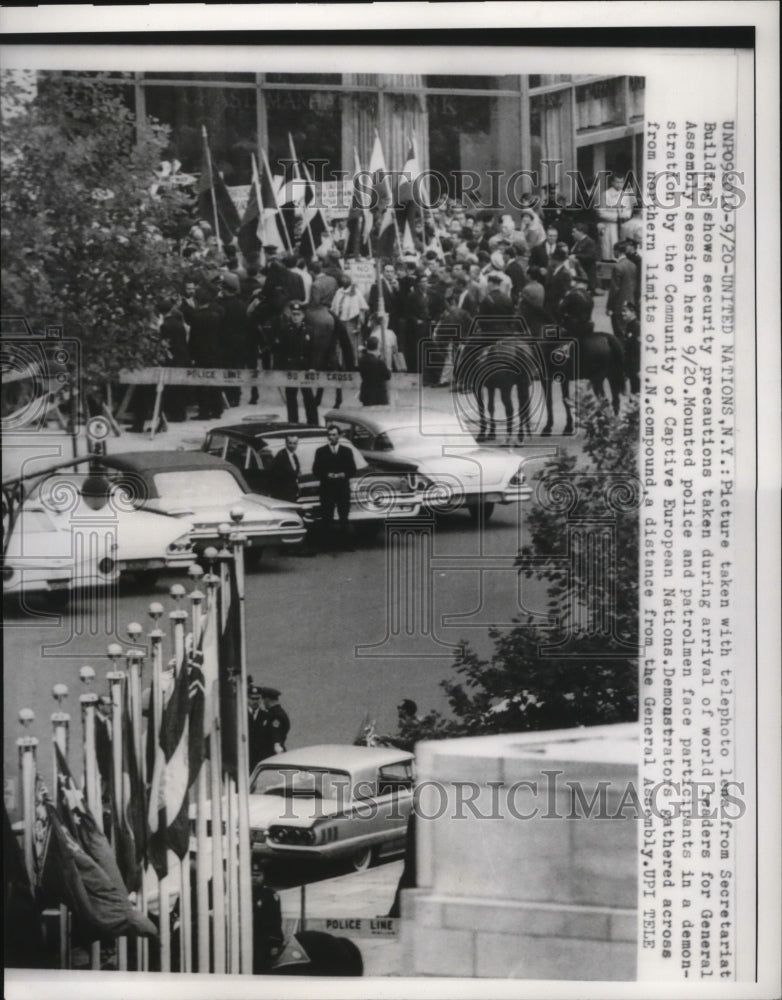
(360, 927)
(226, 378)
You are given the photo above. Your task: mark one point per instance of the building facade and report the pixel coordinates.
(492, 126)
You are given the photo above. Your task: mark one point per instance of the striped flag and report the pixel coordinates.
(314, 225)
(273, 228)
(167, 817)
(360, 214)
(382, 202)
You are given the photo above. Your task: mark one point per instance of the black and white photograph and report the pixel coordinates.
(387, 493)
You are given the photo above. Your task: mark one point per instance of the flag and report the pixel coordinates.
(168, 805)
(196, 710)
(210, 182)
(360, 214)
(273, 231)
(23, 941)
(314, 224)
(408, 243)
(382, 202)
(81, 870)
(411, 194)
(250, 236)
(130, 824)
(229, 659)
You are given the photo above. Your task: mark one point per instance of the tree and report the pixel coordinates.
(593, 616)
(87, 243)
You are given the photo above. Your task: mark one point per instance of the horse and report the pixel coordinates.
(595, 356)
(503, 366)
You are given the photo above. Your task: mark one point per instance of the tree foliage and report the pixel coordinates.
(86, 241)
(579, 667)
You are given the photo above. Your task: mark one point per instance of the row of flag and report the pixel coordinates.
(100, 849)
(284, 213)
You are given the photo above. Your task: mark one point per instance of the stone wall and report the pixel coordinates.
(508, 885)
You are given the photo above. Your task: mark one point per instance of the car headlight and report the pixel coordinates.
(291, 835)
(517, 479)
(179, 545)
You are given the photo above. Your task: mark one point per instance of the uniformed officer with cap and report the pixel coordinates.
(256, 732)
(276, 724)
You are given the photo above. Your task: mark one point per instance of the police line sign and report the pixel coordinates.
(361, 927)
(226, 377)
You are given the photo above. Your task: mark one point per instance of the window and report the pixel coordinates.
(362, 437)
(216, 445)
(236, 454)
(395, 778)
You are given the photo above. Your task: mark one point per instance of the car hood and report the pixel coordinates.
(481, 466)
(273, 810)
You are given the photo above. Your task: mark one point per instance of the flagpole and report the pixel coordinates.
(215, 773)
(202, 870)
(381, 302)
(164, 916)
(239, 541)
(218, 239)
(116, 679)
(178, 617)
(27, 751)
(91, 786)
(257, 186)
(134, 659)
(60, 725)
(305, 218)
(286, 236)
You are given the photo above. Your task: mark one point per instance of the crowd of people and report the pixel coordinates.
(284, 312)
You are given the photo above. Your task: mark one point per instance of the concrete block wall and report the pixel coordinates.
(521, 880)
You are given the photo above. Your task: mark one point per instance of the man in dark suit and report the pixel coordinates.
(334, 466)
(374, 375)
(585, 251)
(540, 256)
(558, 282)
(622, 289)
(284, 471)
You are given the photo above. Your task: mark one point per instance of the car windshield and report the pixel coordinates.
(305, 783)
(307, 448)
(196, 488)
(427, 440)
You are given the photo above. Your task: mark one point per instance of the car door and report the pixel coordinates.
(394, 803)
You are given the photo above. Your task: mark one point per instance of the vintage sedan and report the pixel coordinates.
(374, 495)
(331, 802)
(206, 491)
(456, 472)
(71, 530)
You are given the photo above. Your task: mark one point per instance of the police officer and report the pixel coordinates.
(256, 731)
(267, 924)
(276, 724)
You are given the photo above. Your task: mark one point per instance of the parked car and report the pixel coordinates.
(331, 802)
(70, 530)
(205, 490)
(375, 495)
(455, 471)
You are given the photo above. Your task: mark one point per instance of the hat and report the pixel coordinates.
(270, 248)
(254, 691)
(296, 306)
(408, 706)
(231, 281)
(533, 293)
(493, 276)
(269, 692)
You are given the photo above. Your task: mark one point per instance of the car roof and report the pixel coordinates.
(340, 757)
(164, 461)
(388, 417)
(251, 431)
